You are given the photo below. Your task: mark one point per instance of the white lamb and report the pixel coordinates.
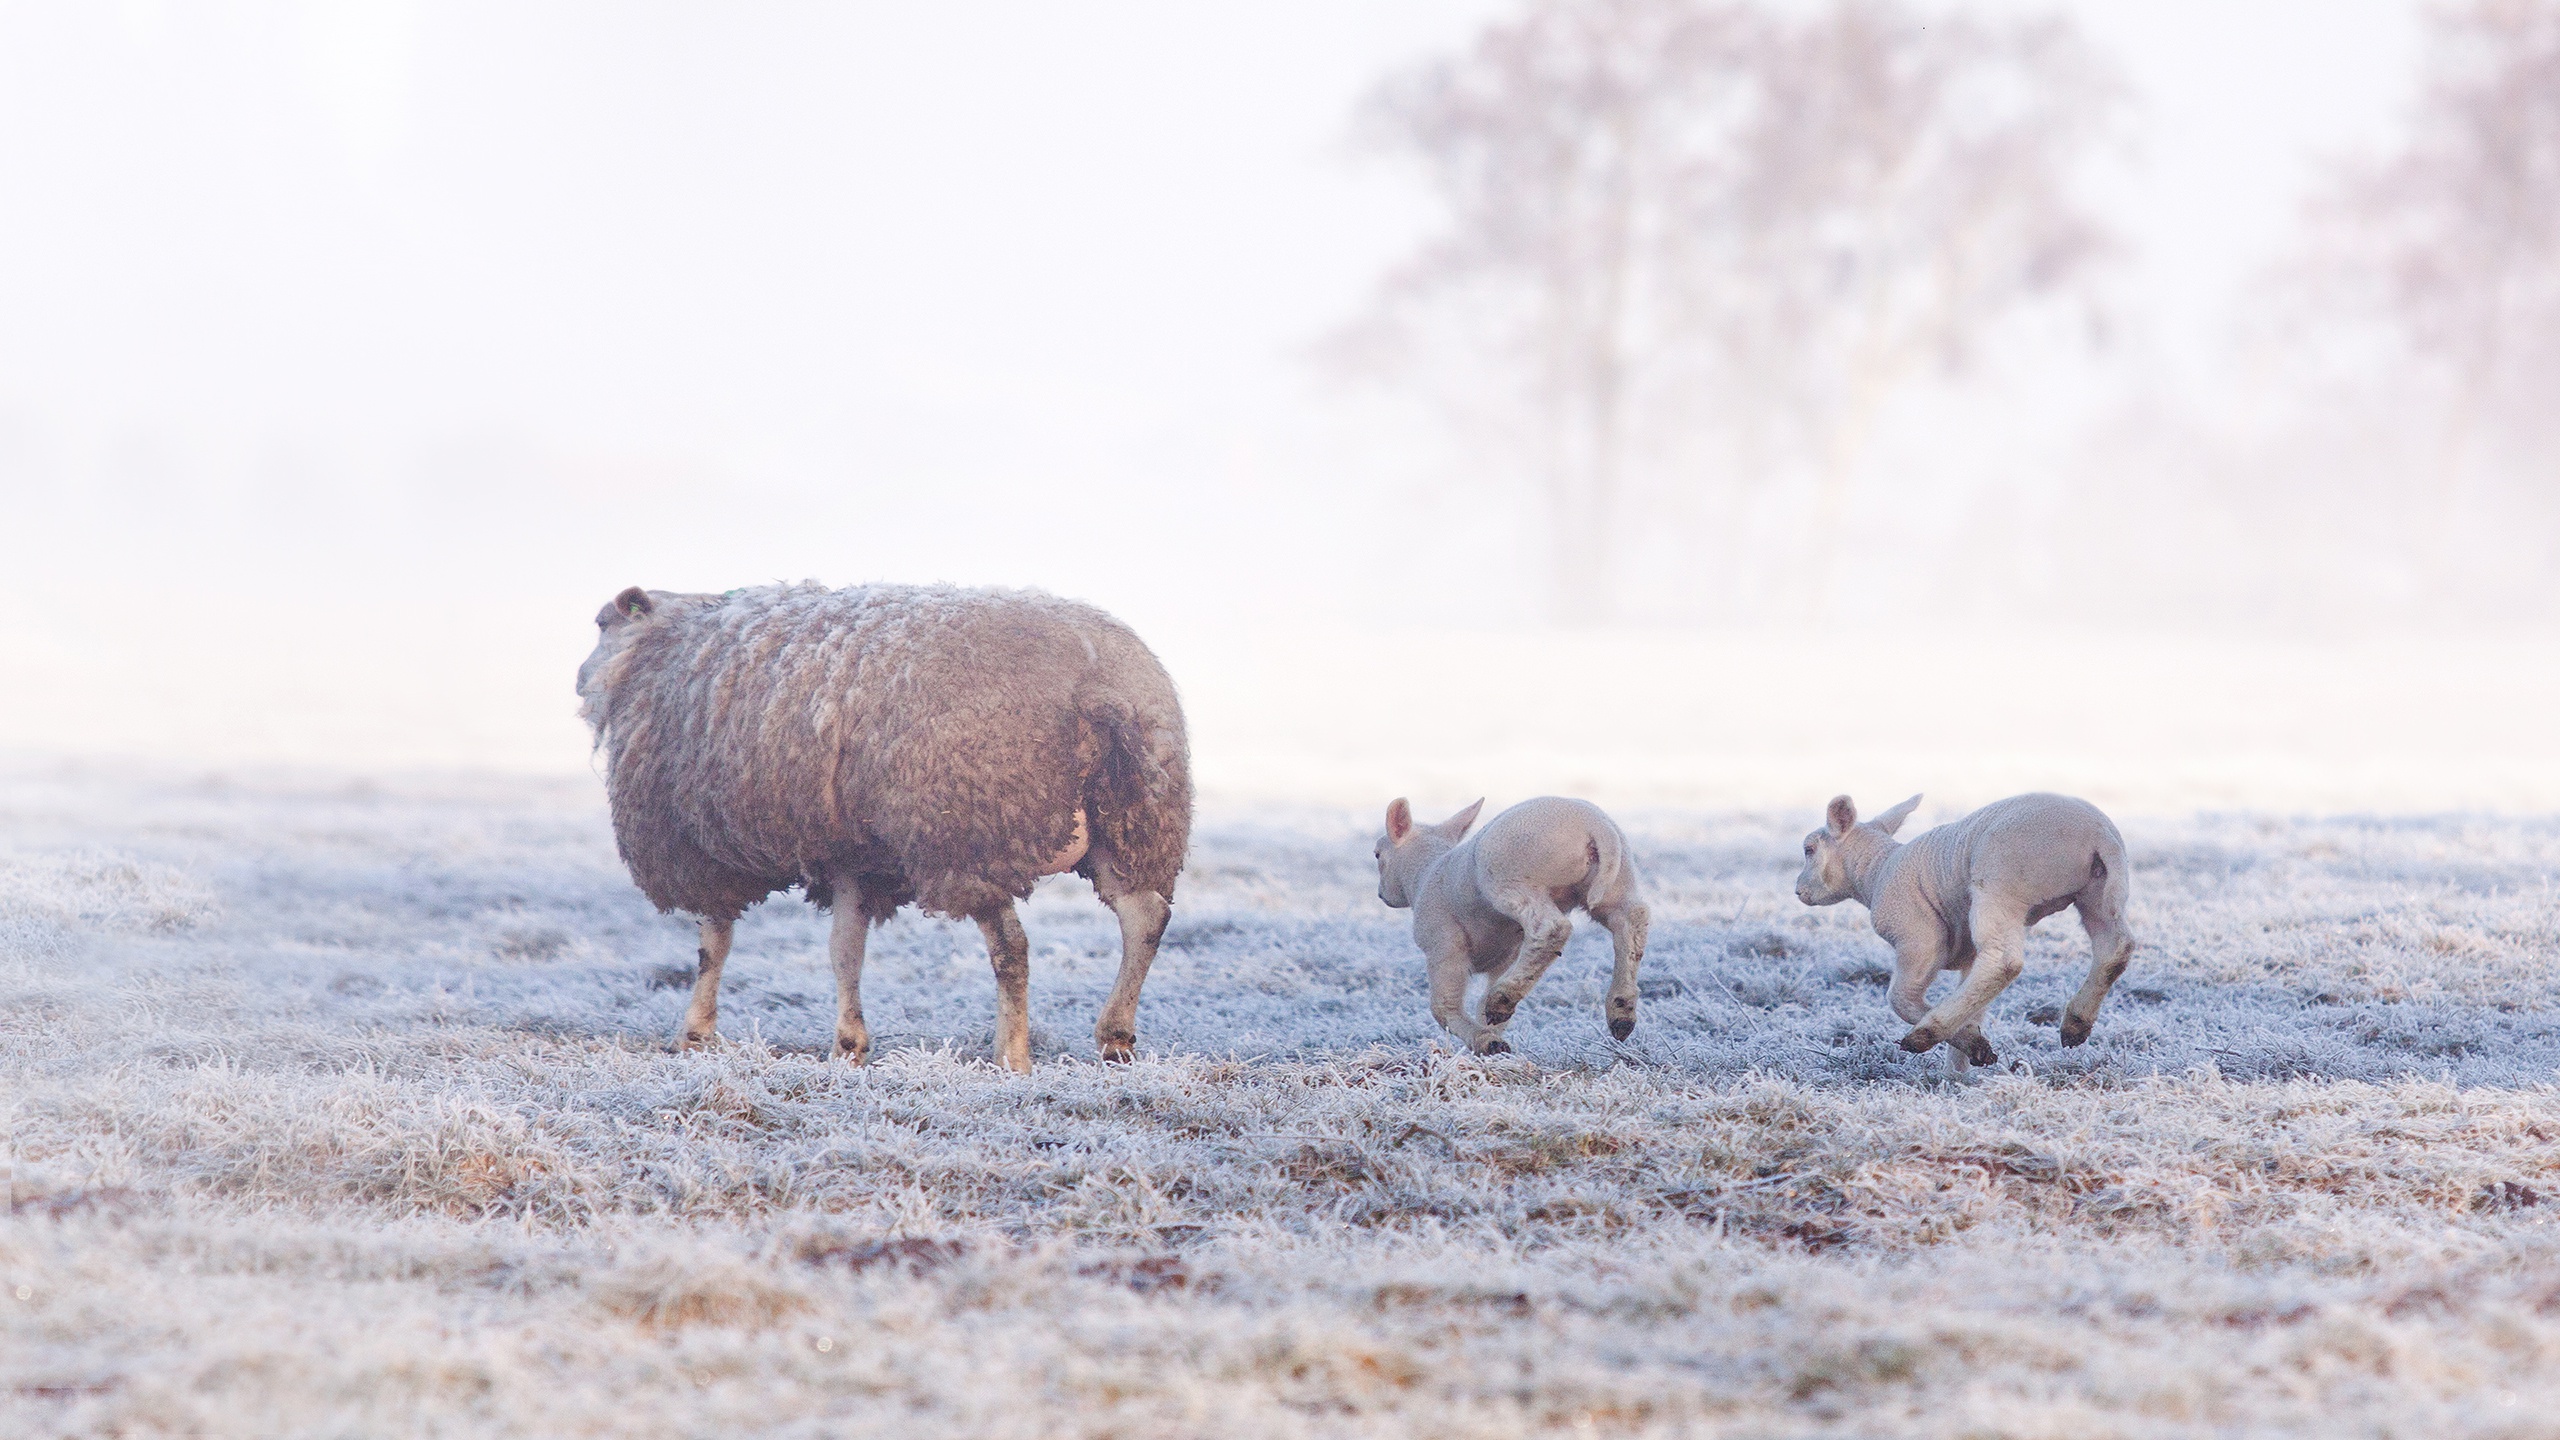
(1962, 896)
(1496, 905)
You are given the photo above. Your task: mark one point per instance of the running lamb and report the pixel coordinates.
(1967, 892)
(1496, 905)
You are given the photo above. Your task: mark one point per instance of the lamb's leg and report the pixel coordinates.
(849, 929)
(1010, 951)
(1917, 963)
(1449, 967)
(1544, 931)
(1627, 925)
(1999, 934)
(1143, 915)
(702, 1016)
(2110, 948)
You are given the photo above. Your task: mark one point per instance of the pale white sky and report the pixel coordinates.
(319, 318)
(905, 270)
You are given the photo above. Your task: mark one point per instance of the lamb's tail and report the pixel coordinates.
(2110, 873)
(1607, 861)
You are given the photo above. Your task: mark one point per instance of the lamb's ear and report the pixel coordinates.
(633, 603)
(1399, 820)
(1892, 819)
(1455, 827)
(1842, 814)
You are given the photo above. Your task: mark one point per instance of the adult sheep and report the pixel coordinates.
(886, 745)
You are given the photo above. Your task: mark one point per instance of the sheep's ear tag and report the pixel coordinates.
(633, 603)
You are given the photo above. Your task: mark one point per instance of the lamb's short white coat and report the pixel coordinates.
(1961, 897)
(1497, 905)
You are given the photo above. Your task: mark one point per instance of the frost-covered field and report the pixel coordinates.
(348, 1110)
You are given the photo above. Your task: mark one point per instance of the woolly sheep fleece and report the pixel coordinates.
(346, 1109)
(938, 743)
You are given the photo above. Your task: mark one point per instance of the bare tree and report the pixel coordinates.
(1668, 217)
(2451, 241)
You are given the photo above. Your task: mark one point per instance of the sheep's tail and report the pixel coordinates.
(1607, 860)
(1137, 788)
(2111, 872)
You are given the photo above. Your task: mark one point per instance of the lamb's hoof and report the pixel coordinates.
(1921, 1040)
(1119, 1050)
(2075, 1031)
(692, 1040)
(1621, 1028)
(1980, 1052)
(1498, 1008)
(1496, 1047)
(859, 1054)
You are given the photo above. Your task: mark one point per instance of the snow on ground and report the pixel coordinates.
(347, 1108)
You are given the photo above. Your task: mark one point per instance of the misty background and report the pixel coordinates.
(1675, 402)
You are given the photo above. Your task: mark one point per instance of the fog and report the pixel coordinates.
(352, 354)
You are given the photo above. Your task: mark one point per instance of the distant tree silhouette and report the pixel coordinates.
(2450, 241)
(1671, 218)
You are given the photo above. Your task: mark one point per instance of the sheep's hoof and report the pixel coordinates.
(2075, 1031)
(1980, 1052)
(1921, 1040)
(1498, 1008)
(1622, 1027)
(1119, 1049)
(855, 1054)
(1496, 1047)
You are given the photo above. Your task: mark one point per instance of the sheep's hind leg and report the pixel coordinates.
(702, 1016)
(1143, 915)
(1627, 926)
(849, 931)
(2110, 949)
(1010, 952)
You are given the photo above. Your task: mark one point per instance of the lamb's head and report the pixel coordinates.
(1407, 849)
(1842, 850)
(622, 618)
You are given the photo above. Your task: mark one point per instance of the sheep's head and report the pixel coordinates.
(1839, 852)
(622, 617)
(1407, 849)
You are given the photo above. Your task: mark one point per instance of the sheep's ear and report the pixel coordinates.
(1455, 827)
(1842, 814)
(1892, 819)
(1399, 820)
(632, 603)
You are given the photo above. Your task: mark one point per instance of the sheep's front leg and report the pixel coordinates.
(1450, 966)
(1971, 1048)
(1627, 926)
(1998, 929)
(849, 931)
(1544, 931)
(1916, 963)
(1143, 915)
(702, 1016)
(1010, 951)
